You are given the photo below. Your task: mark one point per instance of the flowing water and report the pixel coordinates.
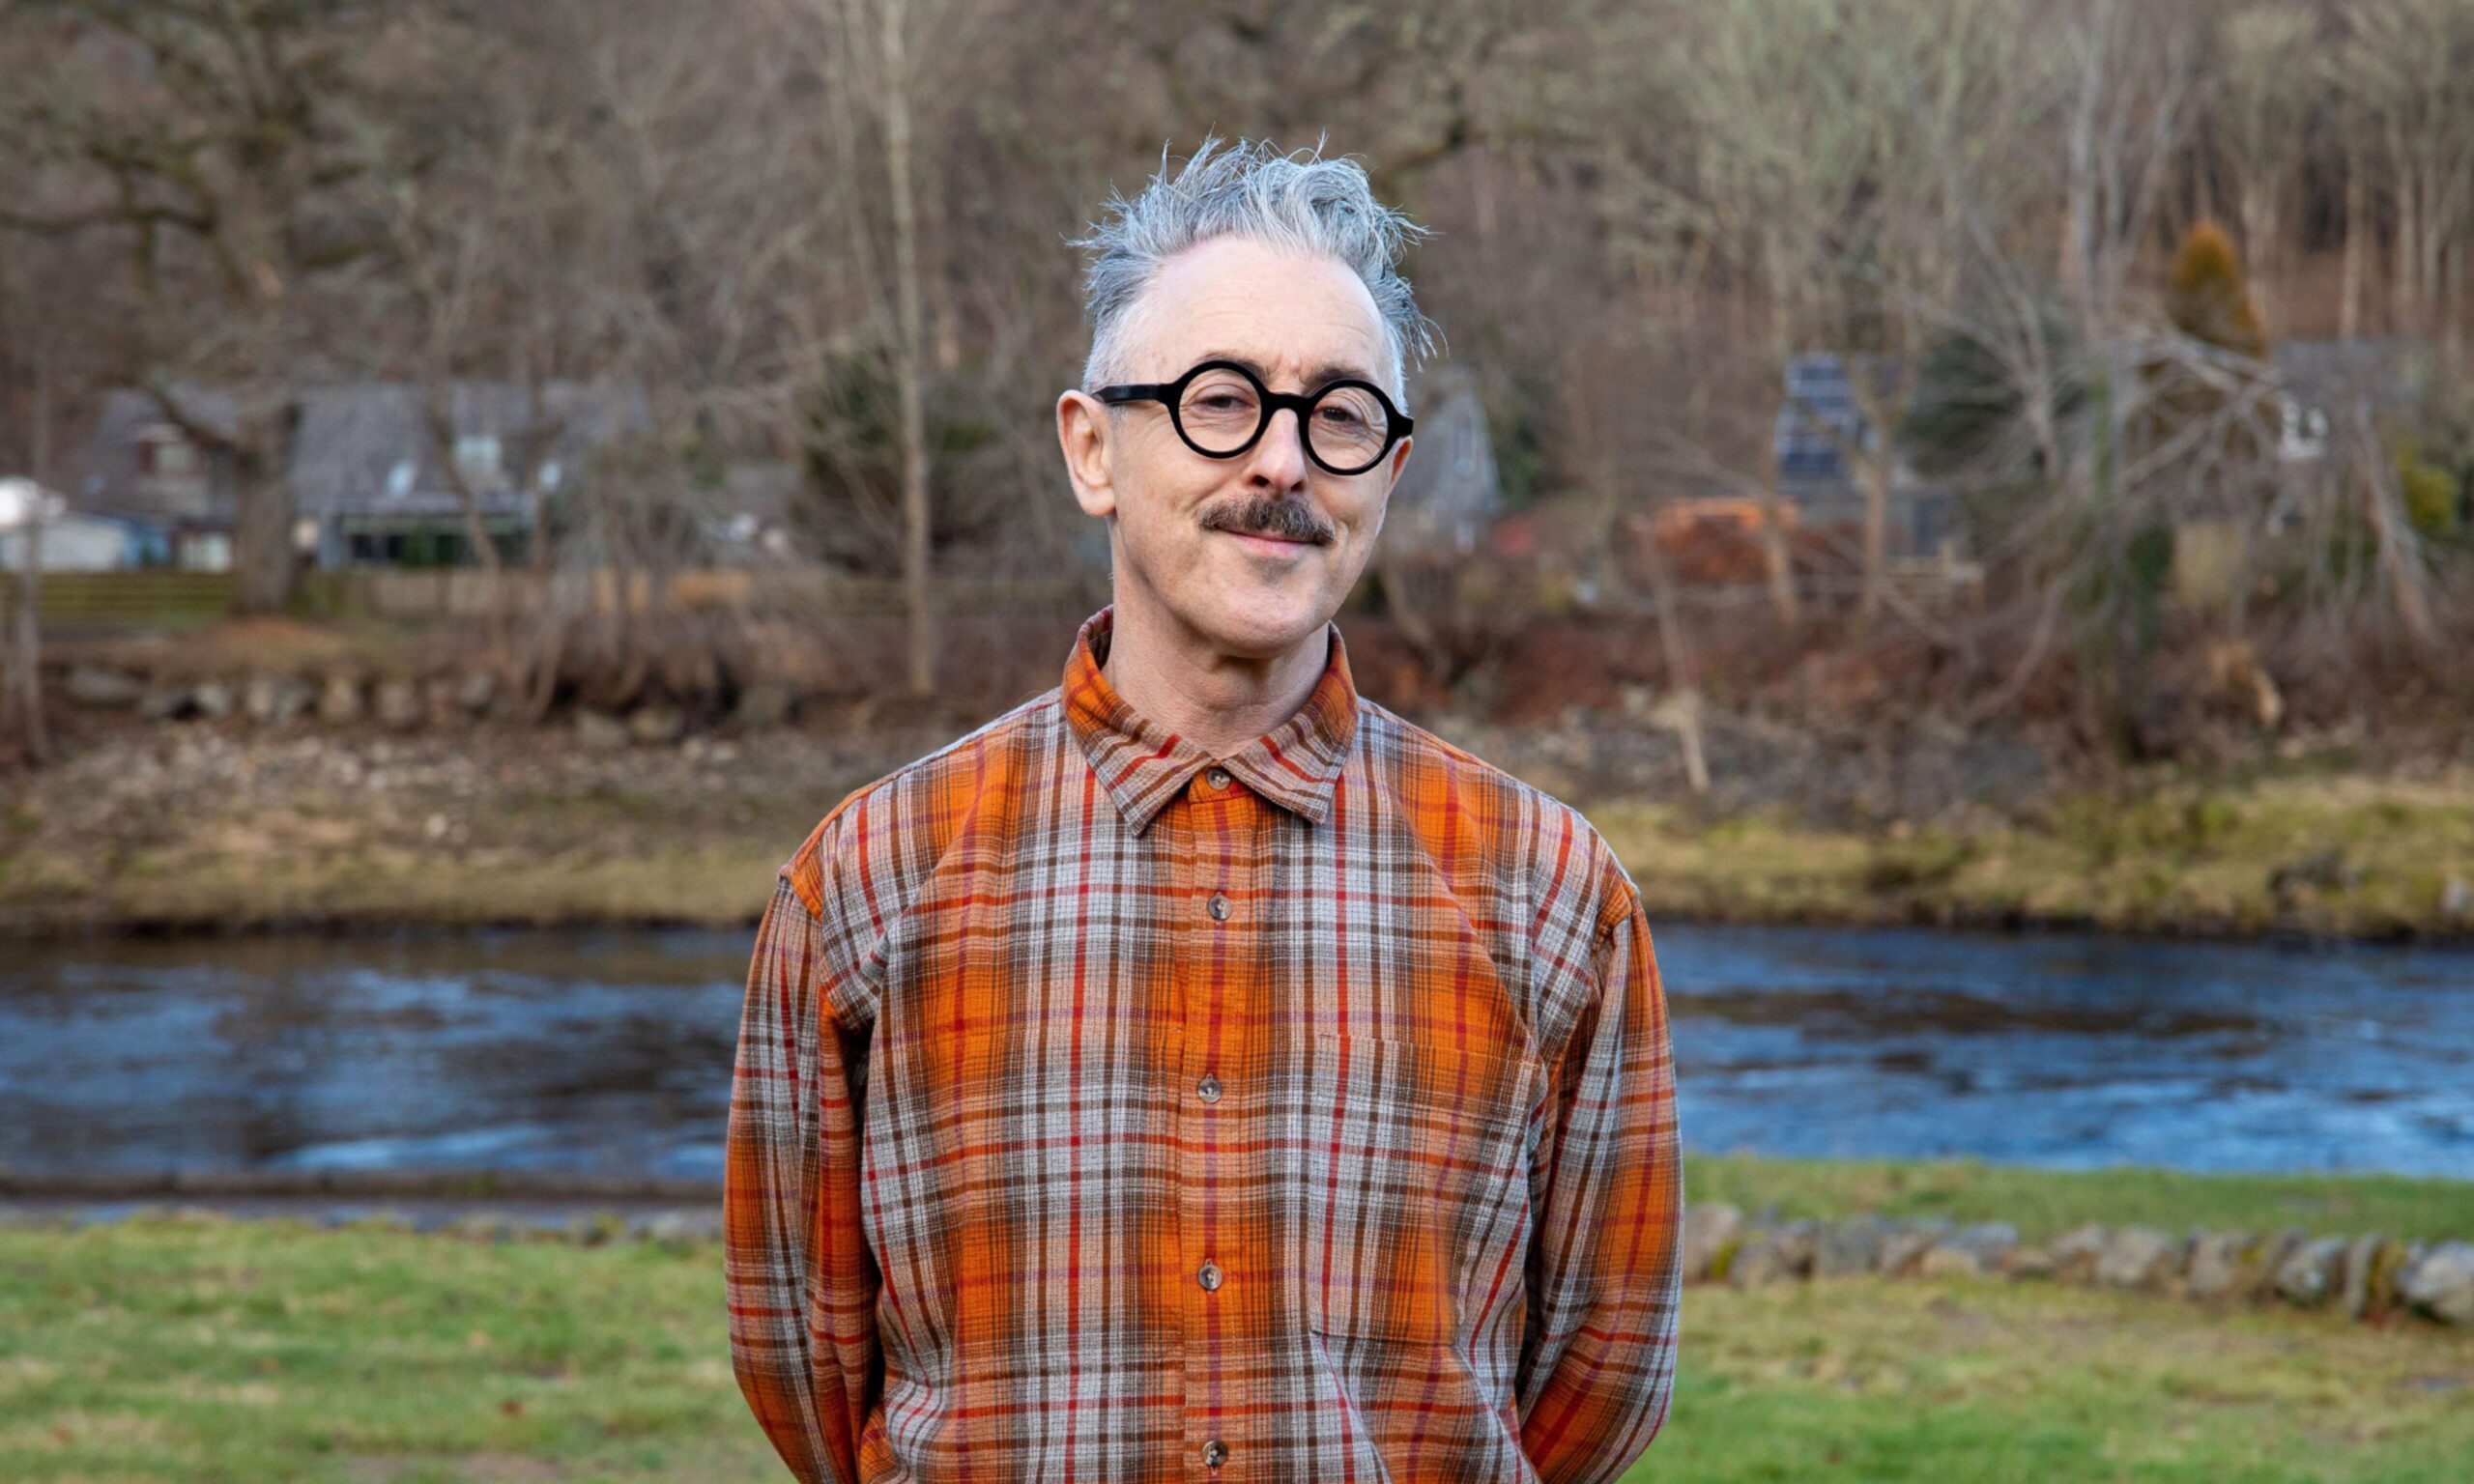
(610, 1052)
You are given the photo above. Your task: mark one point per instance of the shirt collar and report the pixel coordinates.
(1142, 766)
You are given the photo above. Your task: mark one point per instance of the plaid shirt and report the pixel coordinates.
(1106, 1112)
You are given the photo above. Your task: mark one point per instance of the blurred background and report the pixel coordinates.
(1973, 497)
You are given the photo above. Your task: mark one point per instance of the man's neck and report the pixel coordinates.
(1219, 701)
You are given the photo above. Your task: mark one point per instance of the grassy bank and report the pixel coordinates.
(2310, 848)
(2043, 1204)
(189, 829)
(160, 1351)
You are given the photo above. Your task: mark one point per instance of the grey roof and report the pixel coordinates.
(352, 438)
(2332, 373)
(108, 473)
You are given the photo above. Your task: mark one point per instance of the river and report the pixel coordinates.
(609, 1052)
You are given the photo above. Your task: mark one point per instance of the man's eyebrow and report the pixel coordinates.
(1328, 371)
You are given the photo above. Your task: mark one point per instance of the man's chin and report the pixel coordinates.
(1266, 628)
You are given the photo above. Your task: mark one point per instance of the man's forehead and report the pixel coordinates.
(1344, 368)
(1275, 313)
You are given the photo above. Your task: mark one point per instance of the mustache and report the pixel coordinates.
(1262, 516)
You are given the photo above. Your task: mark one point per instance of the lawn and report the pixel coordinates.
(2042, 1204)
(263, 1352)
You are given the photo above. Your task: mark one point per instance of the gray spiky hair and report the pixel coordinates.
(1298, 200)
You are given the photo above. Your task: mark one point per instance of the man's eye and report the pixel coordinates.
(1341, 416)
(1222, 401)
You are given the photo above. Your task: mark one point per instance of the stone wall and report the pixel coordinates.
(2372, 1276)
(281, 700)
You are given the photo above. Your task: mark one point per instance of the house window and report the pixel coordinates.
(399, 479)
(166, 453)
(477, 458)
(207, 552)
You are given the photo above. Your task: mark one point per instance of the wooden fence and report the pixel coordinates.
(159, 598)
(466, 593)
(166, 598)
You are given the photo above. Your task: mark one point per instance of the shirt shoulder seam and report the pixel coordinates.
(805, 870)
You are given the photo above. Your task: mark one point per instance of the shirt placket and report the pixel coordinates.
(1215, 904)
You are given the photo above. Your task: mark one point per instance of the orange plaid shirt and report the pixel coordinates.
(1108, 1111)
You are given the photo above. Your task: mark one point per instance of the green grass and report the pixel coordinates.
(264, 1351)
(204, 1352)
(1983, 1381)
(2045, 1203)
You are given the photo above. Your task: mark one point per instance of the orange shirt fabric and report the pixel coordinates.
(1108, 1111)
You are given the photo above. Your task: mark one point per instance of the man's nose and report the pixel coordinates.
(1280, 454)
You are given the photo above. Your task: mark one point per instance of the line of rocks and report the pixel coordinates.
(395, 702)
(2371, 1276)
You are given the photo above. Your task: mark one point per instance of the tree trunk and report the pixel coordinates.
(485, 550)
(908, 336)
(1876, 468)
(25, 653)
(262, 560)
(2403, 293)
(1776, 557)
(1876, 479)
(2357, 244)
(1681, 710)
(2259, 249)
(2399, 562)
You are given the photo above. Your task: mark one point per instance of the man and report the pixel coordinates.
(1200, 1073)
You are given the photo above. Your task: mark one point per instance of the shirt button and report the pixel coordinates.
(1214, 1453)
(1208, 1089)
(1218, 778)
(1209, 1277)
(1219, 907)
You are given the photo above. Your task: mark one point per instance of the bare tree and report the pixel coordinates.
(2265, 94)
(222, 150)
(2403, 75)
(24, 689)
(872, 52)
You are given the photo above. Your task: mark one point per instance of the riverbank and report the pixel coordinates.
(203, 1349)
(2040, 1204)
(208, 828)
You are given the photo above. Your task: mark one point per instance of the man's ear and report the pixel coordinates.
(1082, 434)
(1401, 461)
(1391, 483)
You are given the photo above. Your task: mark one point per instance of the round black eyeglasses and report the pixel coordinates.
(1220, 409)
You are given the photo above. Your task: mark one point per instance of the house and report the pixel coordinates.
(171, 491)
(376, 480)
(382, 481)
(66, 540)
(2319, 380)
(1822, 433)
(747, 520)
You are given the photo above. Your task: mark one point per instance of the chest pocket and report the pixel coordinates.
(1416, 1168)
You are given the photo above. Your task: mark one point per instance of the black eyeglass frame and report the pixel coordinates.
(1173, 394)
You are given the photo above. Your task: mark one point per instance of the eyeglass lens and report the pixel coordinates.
(1222, 410)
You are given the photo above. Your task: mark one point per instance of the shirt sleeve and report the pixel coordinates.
(1605, 1268)
(801, 1284)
